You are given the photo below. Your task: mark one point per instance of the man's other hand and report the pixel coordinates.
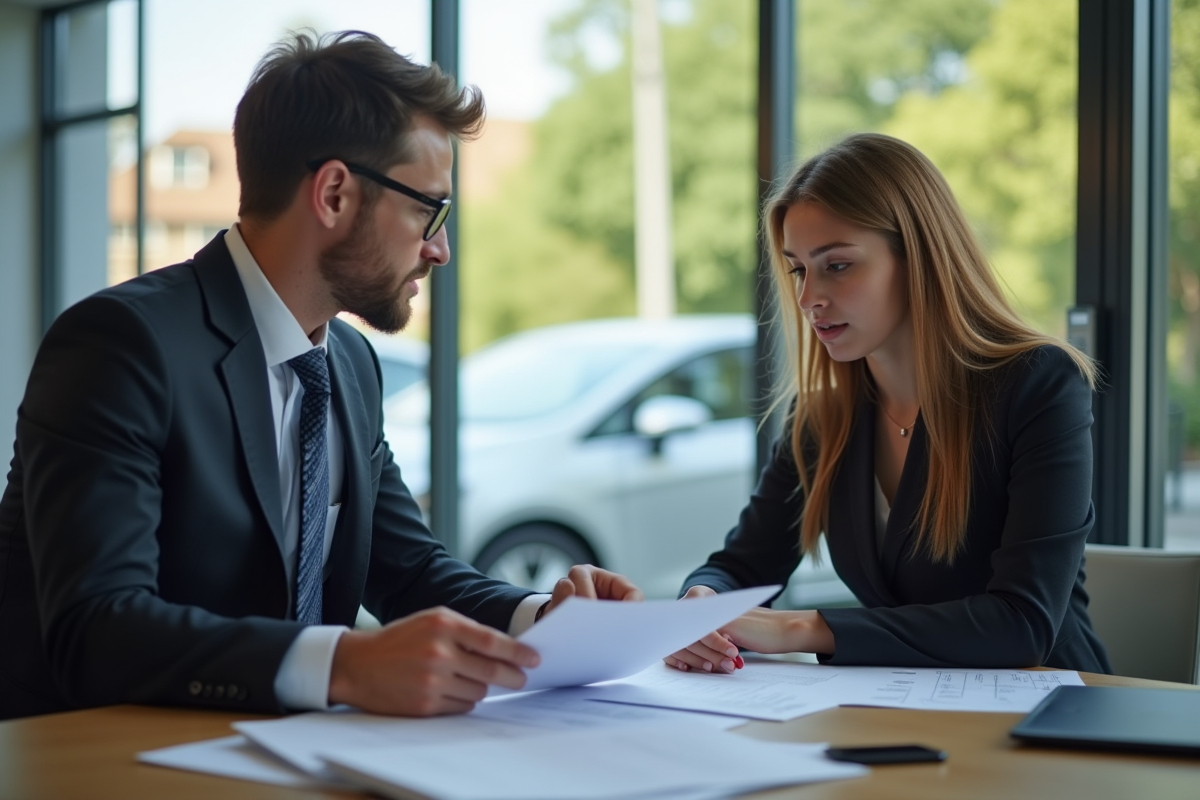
(433, 662)
(592, 583)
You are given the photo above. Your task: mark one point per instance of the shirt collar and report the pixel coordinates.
(282, 337)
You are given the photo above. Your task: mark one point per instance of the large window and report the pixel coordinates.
(609, 207)
(90, 126)
(609, 203)
(192, 93)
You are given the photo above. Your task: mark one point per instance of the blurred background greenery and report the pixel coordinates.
(986, 88)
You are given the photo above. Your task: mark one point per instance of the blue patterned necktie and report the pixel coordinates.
(313, 372)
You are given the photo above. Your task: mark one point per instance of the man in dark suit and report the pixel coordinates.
(201, 495)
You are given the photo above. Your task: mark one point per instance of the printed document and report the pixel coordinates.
(779, 691)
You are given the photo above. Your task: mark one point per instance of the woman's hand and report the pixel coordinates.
(761, 630)
(713, 653)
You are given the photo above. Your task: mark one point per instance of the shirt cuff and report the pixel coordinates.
(302, 683)
(525, 614)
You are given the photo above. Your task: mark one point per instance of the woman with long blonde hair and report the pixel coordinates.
(940, 444)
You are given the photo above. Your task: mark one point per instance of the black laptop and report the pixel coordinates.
(1116, 718)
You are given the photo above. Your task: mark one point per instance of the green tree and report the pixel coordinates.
(1006, 140)
(1183, 338)
(853, 53)
(863, 65)
(521, 272)
(857, 58)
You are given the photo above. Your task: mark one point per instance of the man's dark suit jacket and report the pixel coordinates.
(140, 555)
(1014, 596)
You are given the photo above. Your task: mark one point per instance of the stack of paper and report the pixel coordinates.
(640, 762)
(303, 741)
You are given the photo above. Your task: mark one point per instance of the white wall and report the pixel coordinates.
(19, 202)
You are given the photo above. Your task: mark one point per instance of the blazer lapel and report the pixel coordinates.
(244, 372)
(852, 506)
(350, 547)
(906, 504)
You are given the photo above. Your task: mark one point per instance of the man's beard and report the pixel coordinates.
(361, 281)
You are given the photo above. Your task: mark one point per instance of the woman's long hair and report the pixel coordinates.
(962, 325)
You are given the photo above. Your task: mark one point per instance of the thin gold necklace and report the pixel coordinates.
(904, 429)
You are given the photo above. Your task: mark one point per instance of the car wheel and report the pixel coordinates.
(533, 556)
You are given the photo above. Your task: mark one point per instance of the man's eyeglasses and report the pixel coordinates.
(441, 207)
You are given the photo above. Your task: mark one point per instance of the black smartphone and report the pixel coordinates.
(889, 754)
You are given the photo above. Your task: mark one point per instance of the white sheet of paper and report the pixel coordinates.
(780, 691)
(644, 761)
(585, 641)
(234, 757)
(760, 690)
(300, 739)
(1000, 690)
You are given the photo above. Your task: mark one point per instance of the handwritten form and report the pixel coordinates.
(781, 691)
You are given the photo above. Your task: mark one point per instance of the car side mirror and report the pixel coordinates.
(659, 417)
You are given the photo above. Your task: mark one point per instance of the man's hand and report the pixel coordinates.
(434, 662)
(591, 583)
(713, 653)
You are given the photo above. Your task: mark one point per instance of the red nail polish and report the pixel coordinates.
(738, 663)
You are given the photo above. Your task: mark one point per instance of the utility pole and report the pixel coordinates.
(655, 257)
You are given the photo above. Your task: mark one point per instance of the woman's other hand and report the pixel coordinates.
(713, 653)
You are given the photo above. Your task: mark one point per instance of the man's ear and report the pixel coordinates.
(333, 197)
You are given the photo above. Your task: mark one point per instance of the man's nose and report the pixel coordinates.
(437, 250)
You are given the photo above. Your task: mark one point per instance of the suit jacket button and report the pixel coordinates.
(208, 690)
(194, 688)
(231, 691)
(241, 695)
(219, 691)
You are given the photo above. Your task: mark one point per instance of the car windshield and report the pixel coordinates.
(520, 379)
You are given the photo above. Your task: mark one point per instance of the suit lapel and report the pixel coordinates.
(852, 506)
(910, 491)
(244, 372)
(345, 582)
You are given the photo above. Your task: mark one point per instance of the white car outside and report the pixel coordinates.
(626, 443)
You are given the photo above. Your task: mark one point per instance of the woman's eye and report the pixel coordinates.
(838, 266)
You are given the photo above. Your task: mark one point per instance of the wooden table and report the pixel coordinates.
(90, 754)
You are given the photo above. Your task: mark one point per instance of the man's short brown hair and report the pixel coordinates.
(344, 95)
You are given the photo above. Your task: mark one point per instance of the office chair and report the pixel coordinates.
(1145, 606)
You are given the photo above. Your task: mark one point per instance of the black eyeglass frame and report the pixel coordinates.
(441, 207)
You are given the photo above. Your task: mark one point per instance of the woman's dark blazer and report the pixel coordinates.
(1014, 596)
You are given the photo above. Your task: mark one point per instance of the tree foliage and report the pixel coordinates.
(987, 88)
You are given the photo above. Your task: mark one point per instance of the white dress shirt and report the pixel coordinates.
(303, 678)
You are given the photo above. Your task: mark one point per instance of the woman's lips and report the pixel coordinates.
(827, 332)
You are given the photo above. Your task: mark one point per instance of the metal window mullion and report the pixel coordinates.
(1155, 431)
(1119, 254)
(140, 176)
(443, 328)
(49, 274)
(776, 122)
